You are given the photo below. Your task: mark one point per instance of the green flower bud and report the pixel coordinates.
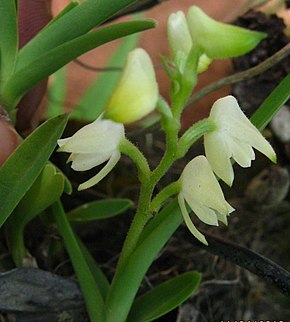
(220, 40)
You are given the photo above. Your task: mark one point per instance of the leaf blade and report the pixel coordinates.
(164, 297)
(100, 209)
(272, 104)
(9, 39)
(73, 24)
(48, 63)
(21, 169)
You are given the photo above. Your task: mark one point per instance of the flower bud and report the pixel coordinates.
(137, 91)
(220, 40)
(179, 37)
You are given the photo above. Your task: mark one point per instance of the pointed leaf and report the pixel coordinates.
(96, 272)
(101, 209)
(21, 169)
(9, 39)
(272, 104)
(51, 61)
(91, 291)
(164, 297)
(77, 22)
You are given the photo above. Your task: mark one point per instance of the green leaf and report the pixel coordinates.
(68, 8)
(154, 237)
(272, 104)
(49, 62)
(96, 272)
(75, 23)
(9, 39)
(91, 291)
(46, 189)
(21, 169)
(56, 94)
(164, 298)
(101, 209)
(97, 96)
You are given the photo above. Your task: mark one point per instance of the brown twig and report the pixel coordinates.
(244, 75)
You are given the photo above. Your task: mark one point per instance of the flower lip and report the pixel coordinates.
(201, 191)
(235, 137)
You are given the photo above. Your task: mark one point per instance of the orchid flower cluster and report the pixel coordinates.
(228, 134)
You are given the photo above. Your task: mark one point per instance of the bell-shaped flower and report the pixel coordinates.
(220, 40)
(92, 145)
(234, 138)
(180, 42)
(136, 93)
(202, 192)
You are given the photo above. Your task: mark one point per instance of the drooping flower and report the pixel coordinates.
(220, 40)
(202, 192)
(92, 145)
(137, 91)
(234, 138)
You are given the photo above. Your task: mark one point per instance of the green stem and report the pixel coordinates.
(195, 132)
(136, 155)
(143, 214)
(171, 124)
(91, 292)
(170, 190)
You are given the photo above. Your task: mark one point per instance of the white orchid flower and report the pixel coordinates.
(136, 94)
(234, 138)
(202, 192)
(92, 145)
(219, 40)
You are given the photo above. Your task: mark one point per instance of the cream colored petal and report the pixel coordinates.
(178, 34)
(218, 155)
(62, 142)
(87, 161)
(98, 177)
(137, 91)
(223, 218)
(220, 40)
(188, 221)
(203, 213)
(99, 136)
(201, 188)
(233, 122)
(242, 153)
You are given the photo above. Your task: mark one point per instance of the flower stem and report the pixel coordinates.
(136, 155)
(170, 190)
(195, 132)
(143, 214)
